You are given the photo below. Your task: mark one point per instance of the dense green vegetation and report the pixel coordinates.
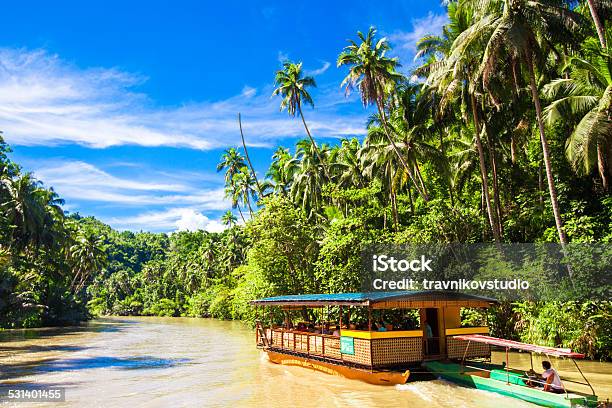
(506, 136)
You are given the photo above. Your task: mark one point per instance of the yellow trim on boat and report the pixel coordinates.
(369, 335)
(467, 330)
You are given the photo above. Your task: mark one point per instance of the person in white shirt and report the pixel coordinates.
(553, 381)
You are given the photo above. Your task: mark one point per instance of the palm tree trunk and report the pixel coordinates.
(246, 153)
(241, 214)
(483, 171)
(600, 29)
(248, 202)
(383, 119)
(410, 199)
(496, 199)
(545, 152)
(323, 164)
(420, 177)
(601, 166)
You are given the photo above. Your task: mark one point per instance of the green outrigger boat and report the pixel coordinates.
(502, 379)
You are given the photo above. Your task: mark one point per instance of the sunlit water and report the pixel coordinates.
(176, 362)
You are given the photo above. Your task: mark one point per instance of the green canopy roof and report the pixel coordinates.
(368, 298)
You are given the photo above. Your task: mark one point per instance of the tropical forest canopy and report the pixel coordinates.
(503, 133)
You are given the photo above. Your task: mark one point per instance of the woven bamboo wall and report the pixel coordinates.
(456, 348)
(332, 347)
(397, 350)
(362, 353)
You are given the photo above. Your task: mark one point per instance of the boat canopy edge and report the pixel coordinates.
(494, 341)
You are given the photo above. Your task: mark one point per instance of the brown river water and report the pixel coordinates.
(181, 362)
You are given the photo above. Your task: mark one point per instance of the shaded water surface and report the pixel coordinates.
(159, 362)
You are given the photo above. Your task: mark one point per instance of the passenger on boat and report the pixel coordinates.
(553, 381)
(382, 327)
(336, 332)
(301, 326)
(326, 329)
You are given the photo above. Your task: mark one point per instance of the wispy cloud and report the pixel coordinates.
(46, 101)
(177, 219)
(80, 181)
(319, 71)
(429, 25)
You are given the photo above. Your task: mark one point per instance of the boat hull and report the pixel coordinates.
(371, 377)
(452, 372)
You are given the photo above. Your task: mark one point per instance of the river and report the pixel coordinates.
(182, 362)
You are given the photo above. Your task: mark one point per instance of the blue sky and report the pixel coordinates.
(125, 107)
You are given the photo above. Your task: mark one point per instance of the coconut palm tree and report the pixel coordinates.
(307, 185)
(455, 80)
(87, 255)
(585, 101)
(375, 75)
(510, 30)
(292, 85)
(232, 161)
(281, 171)
(229, 219)
(245, 187)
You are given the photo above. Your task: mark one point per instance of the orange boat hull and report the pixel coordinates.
(371, 377)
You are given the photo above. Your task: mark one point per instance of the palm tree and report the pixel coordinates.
(292, 85)
(232, 161)
(246, 153)
(375, 76)
(29, 209)
(511, 29)
(245, 187)
(87, 255)
(307, 185)
(585, 100)
(601, 32)
(281, 172)
(453, 79)
(229, 219)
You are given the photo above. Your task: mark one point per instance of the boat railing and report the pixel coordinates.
(317, 344)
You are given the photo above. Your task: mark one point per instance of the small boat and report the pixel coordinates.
(502, 379)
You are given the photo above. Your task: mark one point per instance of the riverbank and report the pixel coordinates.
(133, 361)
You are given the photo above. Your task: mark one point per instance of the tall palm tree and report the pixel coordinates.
(511, 30)
(281, 172)
(585, 101)
(292, 85)
(375, 75)
(593, 9)
(229, 219)
(454, 79)
(232, 161)
(307, 185)
(245, 187)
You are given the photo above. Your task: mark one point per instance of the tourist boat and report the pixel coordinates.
(377, 357)
(502, 379)
(446, 349)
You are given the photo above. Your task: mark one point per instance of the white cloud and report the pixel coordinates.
(174, 219)
(76, 180)
(282, 56)
(319, 71)
(46, 101)
(429, 25)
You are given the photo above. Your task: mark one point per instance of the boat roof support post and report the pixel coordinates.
(507, 366)
(585, 379)
(369, 318)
